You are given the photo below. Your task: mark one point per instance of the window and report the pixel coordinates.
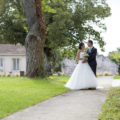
(1, 64)
(16, 64)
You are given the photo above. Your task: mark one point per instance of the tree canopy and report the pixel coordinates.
(68, 23)
(71, 21)
(75, 22)
(13, 27)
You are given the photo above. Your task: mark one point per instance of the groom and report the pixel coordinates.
(92, 51)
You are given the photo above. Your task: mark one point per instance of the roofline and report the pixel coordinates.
(12, 54)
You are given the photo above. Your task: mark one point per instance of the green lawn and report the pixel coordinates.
(117, 77)
(17, 93)
(111, 108)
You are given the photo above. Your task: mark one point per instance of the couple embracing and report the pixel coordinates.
(84, 75)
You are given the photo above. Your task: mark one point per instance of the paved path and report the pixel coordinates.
(73, 105)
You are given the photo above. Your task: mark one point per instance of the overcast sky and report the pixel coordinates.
(112, 36)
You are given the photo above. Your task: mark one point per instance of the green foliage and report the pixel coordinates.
(74, 22)
(115, 56)
(18, 93)
(13, 23)
(60, 24)
(71, 21)
(46, 7)
(2, 6)
(69, 52)
(54, 59)
(13, 27)
(88, 16)
(68, 23)
(111, 108)
(71, 26)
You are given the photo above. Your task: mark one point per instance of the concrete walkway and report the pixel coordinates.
(73, 105)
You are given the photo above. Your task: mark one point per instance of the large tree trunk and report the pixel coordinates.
(35, 39)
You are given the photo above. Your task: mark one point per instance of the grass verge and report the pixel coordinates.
(111, 108)
(18, 93)
(116, 77)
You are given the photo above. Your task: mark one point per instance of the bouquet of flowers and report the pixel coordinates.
(86, 55)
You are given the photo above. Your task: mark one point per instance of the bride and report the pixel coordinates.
(83, 76)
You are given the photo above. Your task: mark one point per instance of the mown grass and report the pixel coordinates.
(116, 77)
(111, 108)
(17, 93)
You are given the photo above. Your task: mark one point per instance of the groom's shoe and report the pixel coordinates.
(92, 88)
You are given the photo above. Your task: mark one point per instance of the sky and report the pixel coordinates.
(112, 35)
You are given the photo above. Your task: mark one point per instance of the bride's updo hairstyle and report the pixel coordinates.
(80, 45)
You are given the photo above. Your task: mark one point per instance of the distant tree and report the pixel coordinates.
(115, 57)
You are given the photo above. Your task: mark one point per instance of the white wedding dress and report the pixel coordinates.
(82, 77)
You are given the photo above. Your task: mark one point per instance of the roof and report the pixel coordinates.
(10, 49)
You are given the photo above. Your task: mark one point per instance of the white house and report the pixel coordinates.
(12, 59)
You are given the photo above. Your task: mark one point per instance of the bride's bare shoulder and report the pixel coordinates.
(78, 51)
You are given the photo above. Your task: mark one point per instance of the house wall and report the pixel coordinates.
(8, 63)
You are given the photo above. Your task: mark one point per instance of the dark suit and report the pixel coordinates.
(92, 59)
